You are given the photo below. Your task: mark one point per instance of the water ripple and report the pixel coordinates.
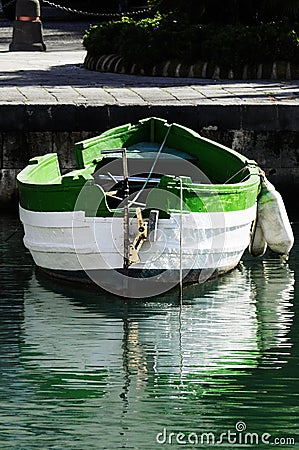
(87, 370)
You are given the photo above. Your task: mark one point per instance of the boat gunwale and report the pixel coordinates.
(74, 180)
(84, 174)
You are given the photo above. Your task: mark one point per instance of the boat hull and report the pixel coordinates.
(71, 245)
(197, 198)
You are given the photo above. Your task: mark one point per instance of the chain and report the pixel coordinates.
(8, 4)
(85, 13)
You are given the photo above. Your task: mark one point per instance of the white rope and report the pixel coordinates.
(181, 241)
(235, 174)
(153, 166)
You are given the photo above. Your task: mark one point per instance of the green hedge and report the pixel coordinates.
(151, 41)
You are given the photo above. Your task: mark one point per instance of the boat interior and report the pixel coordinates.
(155, 149)
(130, 160)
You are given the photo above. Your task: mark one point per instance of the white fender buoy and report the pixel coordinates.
(273, 219)
(258, 244)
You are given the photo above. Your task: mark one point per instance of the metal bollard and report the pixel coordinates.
(27, 29)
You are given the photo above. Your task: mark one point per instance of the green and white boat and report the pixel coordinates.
(148, 205)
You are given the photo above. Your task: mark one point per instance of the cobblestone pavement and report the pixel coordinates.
(57, 76)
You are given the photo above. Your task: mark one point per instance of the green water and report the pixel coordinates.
(86, 370)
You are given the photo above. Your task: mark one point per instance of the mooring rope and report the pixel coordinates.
(235, 174)
(12, 234)
(181, 241)
(153, 166)
(248, 164)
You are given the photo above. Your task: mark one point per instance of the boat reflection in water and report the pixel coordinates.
(95, 364)
(224, 324)
(273, 288)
